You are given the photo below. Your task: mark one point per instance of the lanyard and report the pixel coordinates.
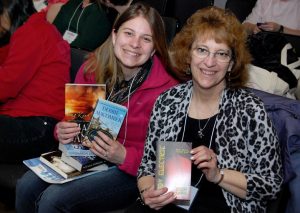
(78, 17)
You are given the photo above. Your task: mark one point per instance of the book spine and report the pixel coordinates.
(46, 162)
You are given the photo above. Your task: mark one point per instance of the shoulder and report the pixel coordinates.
(44, 29)
(82, 78)
(242, 96)
(177, 93)
(243, 103)
(35, 26)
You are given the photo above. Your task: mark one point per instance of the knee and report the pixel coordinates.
(52, 200)
(25, 194)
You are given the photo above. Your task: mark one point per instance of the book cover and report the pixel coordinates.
(80, 102)
(174, 168)
(50, 176)
(108, 118)
(53, 160)
(82, 163)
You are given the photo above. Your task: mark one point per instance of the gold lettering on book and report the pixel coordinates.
(161, 162)
(182, 151)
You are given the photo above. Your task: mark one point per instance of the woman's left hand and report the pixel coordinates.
(108, 149)
(206, 160)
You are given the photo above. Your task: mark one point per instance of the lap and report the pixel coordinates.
(105, 191)
(294, 184)
(25, 137)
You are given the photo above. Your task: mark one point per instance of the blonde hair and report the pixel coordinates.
(103, 61)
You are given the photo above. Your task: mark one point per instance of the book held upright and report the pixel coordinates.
(80, 102)
(174, 167)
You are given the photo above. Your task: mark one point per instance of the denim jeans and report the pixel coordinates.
(25, 137)
(104, 191)
(293, 205)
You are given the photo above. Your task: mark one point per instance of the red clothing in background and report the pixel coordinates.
(34, 73)
(3, 53)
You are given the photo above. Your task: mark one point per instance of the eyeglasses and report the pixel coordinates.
(221, 55)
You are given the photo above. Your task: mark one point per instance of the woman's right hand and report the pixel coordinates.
(66, 131)
(158, 198)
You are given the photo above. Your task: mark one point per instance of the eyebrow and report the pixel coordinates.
(202, 45)
(127, 28)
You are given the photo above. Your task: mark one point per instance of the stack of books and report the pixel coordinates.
(85, 104)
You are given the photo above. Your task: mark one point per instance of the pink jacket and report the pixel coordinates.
(140, 107)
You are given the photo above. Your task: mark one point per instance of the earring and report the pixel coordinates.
(228, 79)
(188, 71)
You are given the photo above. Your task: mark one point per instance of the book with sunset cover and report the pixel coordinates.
(80, 102)
(174, 168)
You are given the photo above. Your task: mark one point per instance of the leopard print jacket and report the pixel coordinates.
(246, 141)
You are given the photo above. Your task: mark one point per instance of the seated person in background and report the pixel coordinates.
(118, 5)
(132, 63)
(32, 81)
(83, 23)
(41, 5)
(236, 158)
(274, 16)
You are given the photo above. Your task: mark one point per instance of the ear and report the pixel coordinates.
(113, 36)
(231, 63)
(153, 52)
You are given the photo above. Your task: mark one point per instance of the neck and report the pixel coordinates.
(85, 3)
(130, 73)
(205, 103)
(122, 8)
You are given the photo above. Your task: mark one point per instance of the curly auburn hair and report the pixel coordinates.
(220, 25)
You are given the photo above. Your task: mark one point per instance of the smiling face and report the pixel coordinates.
(133, 44)
(209, 72)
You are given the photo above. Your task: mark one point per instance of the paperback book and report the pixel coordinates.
(51, 176)
(108, 118)
(82, 163)
(54, 161)
(80, 102)
(174, 168)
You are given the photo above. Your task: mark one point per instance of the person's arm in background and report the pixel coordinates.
(255, 18)
(21, 63)
(275, 27)
(251, 20)
(52, 11)
(271, 27)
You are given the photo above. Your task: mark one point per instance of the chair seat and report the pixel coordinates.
(9, 174)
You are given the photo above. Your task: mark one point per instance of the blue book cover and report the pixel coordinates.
(108, 118)
(51, 176)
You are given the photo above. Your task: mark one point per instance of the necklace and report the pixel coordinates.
(200, 131)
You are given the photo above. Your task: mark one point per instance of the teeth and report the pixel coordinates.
(131, 53)
(208, 72)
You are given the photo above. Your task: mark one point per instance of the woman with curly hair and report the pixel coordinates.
(236, 164)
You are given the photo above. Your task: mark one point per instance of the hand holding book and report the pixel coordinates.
(66, 131)
(107, 148)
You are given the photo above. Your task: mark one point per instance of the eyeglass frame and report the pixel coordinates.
(208, 53)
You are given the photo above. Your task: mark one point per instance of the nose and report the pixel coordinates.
(136, 42)
(210, 60)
